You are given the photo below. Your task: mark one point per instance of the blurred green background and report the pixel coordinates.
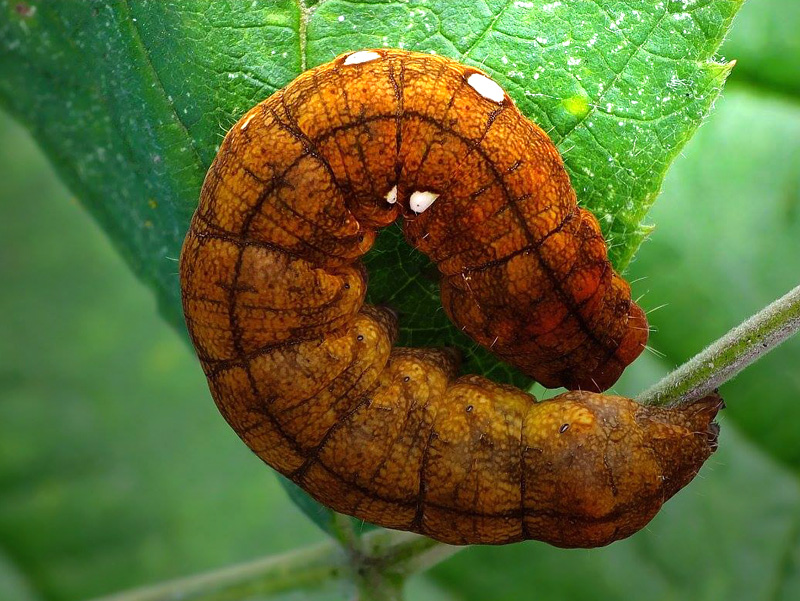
(116, 469)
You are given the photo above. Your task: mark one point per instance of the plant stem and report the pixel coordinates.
(729, 355)
(377, 572)
(306, 568)
(346, 534)
(390, 557)
(408, 553)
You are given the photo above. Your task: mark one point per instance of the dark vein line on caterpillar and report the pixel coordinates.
(399, 97)
(294, 129)
(410, 408)
(419, 501)
(313, 456)
(337, 142)
(304, 311)
(433, 139)
(359, 123)
(335, 403)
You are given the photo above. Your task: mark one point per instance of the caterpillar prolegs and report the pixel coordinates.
(306, 373)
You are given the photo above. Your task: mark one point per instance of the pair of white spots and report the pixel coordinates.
(477, 81)
(419, 201)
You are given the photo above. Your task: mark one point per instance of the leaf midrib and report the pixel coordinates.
(145, 53)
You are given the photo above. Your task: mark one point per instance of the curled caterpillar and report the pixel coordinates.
(306, 373)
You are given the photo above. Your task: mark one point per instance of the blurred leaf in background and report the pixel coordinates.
(116, 470)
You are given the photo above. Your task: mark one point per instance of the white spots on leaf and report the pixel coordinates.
(486, 87)
(391, 196)
(421, 201)
(362, 56)
(341, 18)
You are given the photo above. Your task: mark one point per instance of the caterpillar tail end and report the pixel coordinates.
(612, 464)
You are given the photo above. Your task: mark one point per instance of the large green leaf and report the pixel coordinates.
(131, 99)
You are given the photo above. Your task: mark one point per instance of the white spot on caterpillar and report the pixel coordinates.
(247, 122)
(486, 87)
(362, 56)
(391, 196)
(421, 201)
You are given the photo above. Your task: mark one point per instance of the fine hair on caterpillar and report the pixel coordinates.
(306, 373)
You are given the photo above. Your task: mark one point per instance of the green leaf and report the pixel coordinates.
(131, 99)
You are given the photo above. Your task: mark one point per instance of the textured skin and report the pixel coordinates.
(273, 294)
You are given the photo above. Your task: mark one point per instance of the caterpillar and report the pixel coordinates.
(306, 373)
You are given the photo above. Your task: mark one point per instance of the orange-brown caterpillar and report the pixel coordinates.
(273, 294)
